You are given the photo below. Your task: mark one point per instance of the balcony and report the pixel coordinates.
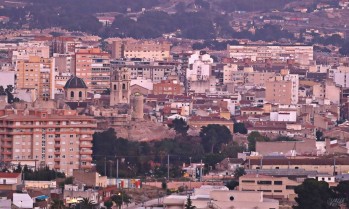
(86, 145)
(85, 152)
(90, 132)
(87, 159)
(7, 145)
(86, 139)
(86, 166)
(57, 145)
(57, 159)
(56, 166)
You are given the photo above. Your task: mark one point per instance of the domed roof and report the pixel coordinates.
(75, 82)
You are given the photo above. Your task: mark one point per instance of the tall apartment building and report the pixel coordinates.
(147, 50)
(199, 67)
(37, 74)
(155, 71)
(303, 55)
(341, 76)
(283, 89)
(228, 73)
(93, 66)
(60, 139)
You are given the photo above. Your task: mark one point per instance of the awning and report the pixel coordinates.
(41, 197)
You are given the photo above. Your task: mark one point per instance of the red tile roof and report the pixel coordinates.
(9, 175)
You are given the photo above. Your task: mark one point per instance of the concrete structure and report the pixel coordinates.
(303, 55)
(199, 67)
(93, 66)
(120, 91)
(75, 89)
(89, 178)
(283, 89)
(137, 106)
(40, 184)
(169, 86)
(218, 197)
(10, 181)
(37, 74)
(198, 122)
(228, 73)
(7, 78)
(284, 115)
(341, 76)
(60, 139)
(147, 50)
(273, 187)
(64, 63)
(22, 200)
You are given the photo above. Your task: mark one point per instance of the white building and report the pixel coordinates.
(341, 76)
(303, 55)
(199, 67)
(7, 78)
(289, 116)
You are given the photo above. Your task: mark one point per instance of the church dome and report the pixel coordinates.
(75, 82)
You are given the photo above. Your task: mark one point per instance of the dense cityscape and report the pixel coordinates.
(111, 104)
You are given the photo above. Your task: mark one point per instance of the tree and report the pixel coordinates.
(342, 190)
(253, 137)
(108, 204)
(232, 184)
(240, 128)
(344, 50)
(180, 126)
(57, 204)
(213, 136)
(239, 171)
(121, 198)
(188, 204)
(313, 194)
(86, 203)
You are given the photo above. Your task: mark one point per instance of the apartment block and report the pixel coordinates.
(37, 74)
(301, 54)
(199, 67)
(147, 50)
(275, 187)
(169, 86)
(283, 89)
(155, 71)
(93, 66)
(60, 139)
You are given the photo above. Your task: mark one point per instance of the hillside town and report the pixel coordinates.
(121, 119)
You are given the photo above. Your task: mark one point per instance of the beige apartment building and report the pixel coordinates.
(93, 66)
(274, 187)
(282, 89)
(147, 50)
(301, 54)
(37, 74)
(60, 139)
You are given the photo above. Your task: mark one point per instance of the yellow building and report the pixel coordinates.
(37, 74)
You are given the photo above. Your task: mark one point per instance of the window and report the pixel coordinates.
(80, 94)
(277, 182)
(290, 187)
(71, 94)
(123, 86)
(264, 182)
(277, 190)
(114, 87)
(247, 181)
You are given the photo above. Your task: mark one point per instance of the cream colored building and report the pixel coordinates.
(218, 197)
(275, 187)
(282, 89)
(303, 55)
(93, 66)
(228, 73)
(60, 139)
(37, 74)
(148, 50)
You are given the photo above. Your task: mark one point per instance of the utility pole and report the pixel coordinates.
(168, 167)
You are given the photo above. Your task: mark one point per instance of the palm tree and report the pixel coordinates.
(189, 205)
(57, 204)
(86, 203)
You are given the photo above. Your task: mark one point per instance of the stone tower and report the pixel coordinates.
(120, 91)
(137, 106)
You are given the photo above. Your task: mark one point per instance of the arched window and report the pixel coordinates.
(114, 87)
(124, 76)
(123, 86)
(80, 94)
(72, 94)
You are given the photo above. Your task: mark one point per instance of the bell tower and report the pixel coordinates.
(120, 92)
